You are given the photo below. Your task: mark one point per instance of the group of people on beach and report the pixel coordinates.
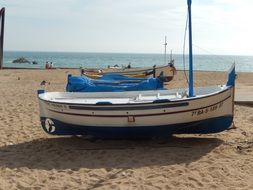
(49, 65)
(117, 66)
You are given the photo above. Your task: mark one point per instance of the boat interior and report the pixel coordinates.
(131, 97)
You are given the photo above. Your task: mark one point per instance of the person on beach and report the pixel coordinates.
(47, 65)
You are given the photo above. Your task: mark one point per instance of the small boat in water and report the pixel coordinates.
(140, 114)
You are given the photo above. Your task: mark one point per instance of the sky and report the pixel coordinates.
(128, 26)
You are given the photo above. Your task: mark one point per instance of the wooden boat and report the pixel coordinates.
(167, 71)
(138, 114)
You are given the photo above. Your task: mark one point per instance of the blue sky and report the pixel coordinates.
(219, 26)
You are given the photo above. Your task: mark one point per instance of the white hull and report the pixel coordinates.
(135, 109)
(140, 114)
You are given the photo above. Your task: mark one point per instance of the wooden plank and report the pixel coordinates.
(244, 98)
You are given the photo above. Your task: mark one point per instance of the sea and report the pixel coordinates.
(103, 60)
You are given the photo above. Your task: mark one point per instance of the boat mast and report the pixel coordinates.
(191, 90)
(171, 56)
(2, 14)
(165, 51)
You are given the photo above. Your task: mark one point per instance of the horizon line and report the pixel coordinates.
(40, 51)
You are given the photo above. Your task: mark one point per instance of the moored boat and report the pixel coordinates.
(138, 114)
(167, 70)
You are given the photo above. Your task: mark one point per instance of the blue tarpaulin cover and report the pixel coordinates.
(111, 83)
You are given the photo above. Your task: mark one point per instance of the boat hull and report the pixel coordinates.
(167, 71)
(212, 125)
(207, 114)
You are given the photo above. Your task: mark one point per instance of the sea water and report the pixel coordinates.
(103, 60)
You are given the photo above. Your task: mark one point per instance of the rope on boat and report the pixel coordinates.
(213, 54)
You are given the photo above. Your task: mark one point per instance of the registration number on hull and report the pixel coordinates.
(207, 109)
(57, 106)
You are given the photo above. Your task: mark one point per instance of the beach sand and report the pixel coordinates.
(31, 159)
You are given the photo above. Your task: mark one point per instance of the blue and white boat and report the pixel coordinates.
(137, 114)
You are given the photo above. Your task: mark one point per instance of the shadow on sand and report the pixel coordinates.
(75, 153)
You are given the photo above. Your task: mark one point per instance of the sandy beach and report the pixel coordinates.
(31, 159)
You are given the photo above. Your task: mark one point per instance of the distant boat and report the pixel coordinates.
(167, 70)
(139, 114)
